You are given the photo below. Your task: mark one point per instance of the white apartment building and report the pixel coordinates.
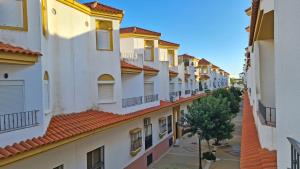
(270, 75)
(78, 92)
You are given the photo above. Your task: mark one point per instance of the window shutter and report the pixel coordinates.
(149, 89)
(148, 54)
(103, 37)
(11, 97)
(106, 92)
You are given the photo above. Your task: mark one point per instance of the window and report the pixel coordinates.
(171, 56)
(148, 133)
(149, 50)
(106, 88)
(59, 167)
(149, 159)
(95, 159)
(104, 35)
(16, 20)
(170, 126)
(162, 126)
(136, 141)
(46, 91)
(148, 88)
(44, 18)
(11, 96)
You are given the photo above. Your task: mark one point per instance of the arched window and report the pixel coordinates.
(106, 88)
(46, 91)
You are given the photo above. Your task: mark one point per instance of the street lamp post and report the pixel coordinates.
(199, 132)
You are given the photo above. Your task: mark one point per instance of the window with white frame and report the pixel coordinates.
(149, 50)
(104, 35)
(172, 87)
(148, 88)
(13, 14)
(106, 88)
(46, 89)
(162, 125)
(95, 159)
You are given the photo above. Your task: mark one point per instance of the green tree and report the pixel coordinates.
(232, 99)
(211, 115)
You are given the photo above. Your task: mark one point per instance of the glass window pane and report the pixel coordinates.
(148, 53)
(103, 39)
(9, 18)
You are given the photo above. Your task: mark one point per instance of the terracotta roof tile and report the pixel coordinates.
(15, 49)
(137, 30)
(103, 8)
(166, 43)
(254, 15)
(252, 155)
(204, 77)
(172, 72)
(203, 62)
(148, 68)
(129, 66)
(186, 56)
(78, 123)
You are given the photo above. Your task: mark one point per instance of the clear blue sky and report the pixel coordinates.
(211, 29)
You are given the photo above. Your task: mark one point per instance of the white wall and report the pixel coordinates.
(32, 77)
(287, 52)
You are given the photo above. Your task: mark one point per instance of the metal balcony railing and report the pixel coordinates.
(174, 94)
(129, 102)
(148, 141)
(267, 114)
(151, 98)
(17, 121)
(136, 144)
(187, 92)
(295, 153)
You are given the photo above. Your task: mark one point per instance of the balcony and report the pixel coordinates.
(130, 102)
(17, 121)
(134, 58)
(187, 92)
(267, 115)
(151, 98)
(295, 153)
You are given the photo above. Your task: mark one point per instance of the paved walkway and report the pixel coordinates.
(186, 155)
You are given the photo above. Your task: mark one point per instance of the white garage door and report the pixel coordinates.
(11, 97)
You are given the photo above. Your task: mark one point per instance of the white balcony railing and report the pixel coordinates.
(135, 58)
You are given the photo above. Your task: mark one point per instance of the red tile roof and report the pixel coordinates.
(186, 56)
(64, 127)
(137, 30)
(166, 43)
(203, 62)
(172, 72)
(15, 49)
(148, 68)
(129, 66)
(254, 15)
(204, 77)
(252, 155)
(103, 8)
(215, 67)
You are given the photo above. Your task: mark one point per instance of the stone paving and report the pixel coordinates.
(185, 156)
